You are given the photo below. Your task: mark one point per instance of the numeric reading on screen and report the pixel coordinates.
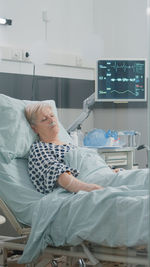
(121, 80)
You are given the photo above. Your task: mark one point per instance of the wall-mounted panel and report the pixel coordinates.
(67, 92)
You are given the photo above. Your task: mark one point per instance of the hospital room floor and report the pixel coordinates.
(62, 263)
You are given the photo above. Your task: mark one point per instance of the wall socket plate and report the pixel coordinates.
(16, 54)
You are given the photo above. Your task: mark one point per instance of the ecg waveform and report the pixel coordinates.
(123, 66)
(116, 67)
(121, 93)
(118, 79)
(121, 79)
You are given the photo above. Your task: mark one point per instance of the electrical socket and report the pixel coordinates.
(25, 56)
(16, 54)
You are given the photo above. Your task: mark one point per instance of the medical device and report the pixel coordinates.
(87, 106)
(111, 138)
(121, 80)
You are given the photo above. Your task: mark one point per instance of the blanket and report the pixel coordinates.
(116, 215)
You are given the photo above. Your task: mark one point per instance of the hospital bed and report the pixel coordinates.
(22, 205)
(69, 255)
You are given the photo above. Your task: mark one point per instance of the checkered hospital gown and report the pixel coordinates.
(46, 163)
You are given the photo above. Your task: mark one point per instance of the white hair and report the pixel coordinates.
(32, 109)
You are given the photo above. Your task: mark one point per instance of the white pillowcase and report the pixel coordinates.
(16, 135)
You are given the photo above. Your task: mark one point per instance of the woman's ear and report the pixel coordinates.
(34, 129)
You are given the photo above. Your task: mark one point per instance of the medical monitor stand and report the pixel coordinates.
(87, 107)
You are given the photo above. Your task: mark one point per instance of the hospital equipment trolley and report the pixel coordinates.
(118, 157)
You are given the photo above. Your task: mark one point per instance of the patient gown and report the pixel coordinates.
(46, 163)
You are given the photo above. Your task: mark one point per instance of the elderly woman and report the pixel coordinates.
(46, 166)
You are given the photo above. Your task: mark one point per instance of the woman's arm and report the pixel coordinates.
(70, 183)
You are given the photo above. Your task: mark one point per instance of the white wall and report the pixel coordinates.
(122, 24)
(87, 28)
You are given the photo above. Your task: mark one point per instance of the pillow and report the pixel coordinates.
(16, 135)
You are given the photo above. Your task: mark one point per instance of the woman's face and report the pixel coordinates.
(46, 123)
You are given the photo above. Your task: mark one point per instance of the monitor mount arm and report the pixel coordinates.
(87, 106)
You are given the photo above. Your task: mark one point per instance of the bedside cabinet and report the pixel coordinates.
(118, 157)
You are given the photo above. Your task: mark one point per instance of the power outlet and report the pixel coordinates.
(16, 54)
(25, 56)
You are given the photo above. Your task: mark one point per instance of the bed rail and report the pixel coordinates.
(20, 228)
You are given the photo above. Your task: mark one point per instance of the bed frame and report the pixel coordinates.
(86, 254)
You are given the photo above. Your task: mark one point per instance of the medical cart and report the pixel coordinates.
(118, 157)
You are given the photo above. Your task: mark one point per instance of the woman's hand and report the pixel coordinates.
(91, 187)
(118, 170)
(72, 184)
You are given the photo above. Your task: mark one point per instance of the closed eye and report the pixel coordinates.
(44, 119)
(47, 116)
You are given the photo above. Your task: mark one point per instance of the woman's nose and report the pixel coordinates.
(50, 118)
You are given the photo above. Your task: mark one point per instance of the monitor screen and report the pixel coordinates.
(121, 80)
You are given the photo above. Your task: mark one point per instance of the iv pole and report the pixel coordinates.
(87, 106)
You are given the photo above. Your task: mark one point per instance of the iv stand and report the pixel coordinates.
(87, 106)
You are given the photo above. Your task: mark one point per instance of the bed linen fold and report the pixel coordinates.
(116, 215)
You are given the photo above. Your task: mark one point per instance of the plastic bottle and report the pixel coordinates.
(112, 138)
(80, 136)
